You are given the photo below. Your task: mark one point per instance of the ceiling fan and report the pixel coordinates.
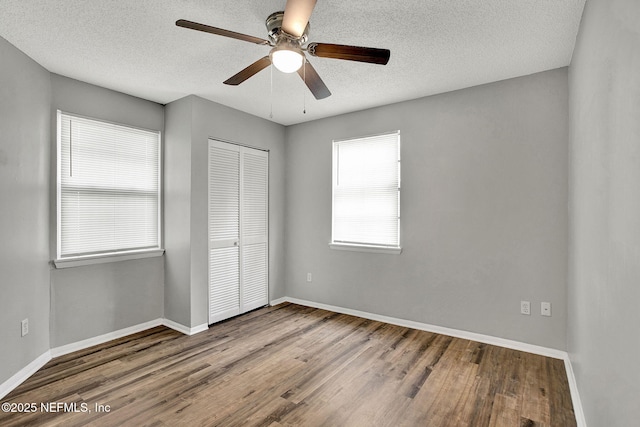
(288, 32)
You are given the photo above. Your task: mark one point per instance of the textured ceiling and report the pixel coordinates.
(133, 46)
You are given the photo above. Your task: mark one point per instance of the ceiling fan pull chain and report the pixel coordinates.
(304, 92)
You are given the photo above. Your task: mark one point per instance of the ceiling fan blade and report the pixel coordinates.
(371, 55)
(313, 81)
(220, 32)
(250, 71)
(296, 16)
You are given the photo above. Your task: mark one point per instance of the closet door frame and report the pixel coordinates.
(238, 242)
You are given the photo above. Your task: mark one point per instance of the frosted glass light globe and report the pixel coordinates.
(287, 61)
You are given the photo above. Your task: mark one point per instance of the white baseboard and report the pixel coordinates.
(100, 339)
(9, 385)
(575, 396)
(278, 301)
(22, 375)
(81, 345)
(184, 329)
(487, 339)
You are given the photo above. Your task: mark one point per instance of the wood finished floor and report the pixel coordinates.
(290, 365)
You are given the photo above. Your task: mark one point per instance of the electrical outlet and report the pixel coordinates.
(545, 309)
(309, 277)
(525, 307)
(25, 327)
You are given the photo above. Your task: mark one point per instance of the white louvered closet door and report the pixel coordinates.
(238, 224)
(254, 227)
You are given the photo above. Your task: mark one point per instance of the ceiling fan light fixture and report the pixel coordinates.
(288, 32)
(287, 61)
(287, 58)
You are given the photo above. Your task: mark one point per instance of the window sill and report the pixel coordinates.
(105, 258)
(365, 248)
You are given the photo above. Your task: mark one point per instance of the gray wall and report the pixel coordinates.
(211, 120)
(93, 300)
(25, 98)
(177, 211)
(483, 207)
(604, 243)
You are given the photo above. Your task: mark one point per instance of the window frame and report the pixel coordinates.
(363, 247)
(81, 259)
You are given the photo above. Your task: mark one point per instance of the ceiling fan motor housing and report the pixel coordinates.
(274, 29)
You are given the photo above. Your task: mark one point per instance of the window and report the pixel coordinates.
(108, 196)
(366, 193)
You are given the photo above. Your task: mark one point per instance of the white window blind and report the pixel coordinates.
(366, 191)
(108, 187)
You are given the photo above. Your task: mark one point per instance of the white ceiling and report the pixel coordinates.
(134, 46)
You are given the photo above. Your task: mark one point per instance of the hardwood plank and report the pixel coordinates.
(504, 412)
(443, 391)
(291, 365)
(535, 399)
(559, 394)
